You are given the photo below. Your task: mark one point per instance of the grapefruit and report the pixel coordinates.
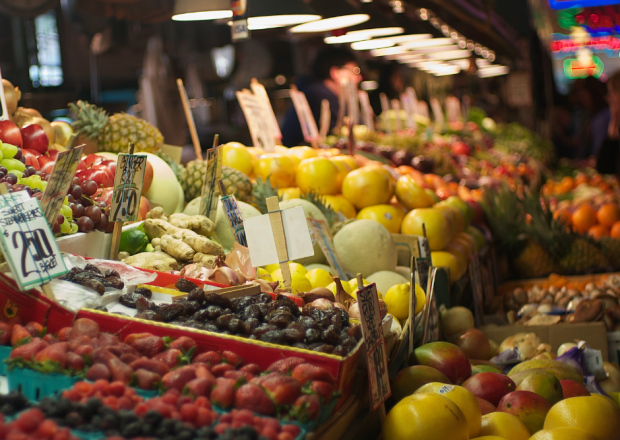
(368, 186)
(411, 195)
(340, 204)
(279, 168)
(389, 216)
(318, 174)
(438, 228)
(235, 155)
(446, 259)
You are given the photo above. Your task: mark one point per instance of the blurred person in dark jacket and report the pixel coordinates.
(608, 158)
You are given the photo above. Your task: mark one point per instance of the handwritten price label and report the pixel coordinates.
(28, 243)
(208, 198)
(127, 187)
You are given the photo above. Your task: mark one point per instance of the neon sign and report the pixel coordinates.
(596, 20)
(574, 68)
(564, 45)
(564, 4)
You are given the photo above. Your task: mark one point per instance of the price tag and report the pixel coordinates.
(397, 116)
(368, 117)
(466, 106)
(261, 93)
(476, 287)
(59, 182)
(210, 189)
(5, 112)
(234, 216)
(423, 266)
(306, 118)
(423, 109)
(413, 101)
(240, 30)
(28, 242)
(353, 104)
(258, 123)
(374, 341)
(453, 109)
(437, 111)
(326, 119)
(127, 187)
(385, 113)
(321, 233)
(409, 121)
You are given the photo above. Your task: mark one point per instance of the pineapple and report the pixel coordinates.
(533, 261)
(261, 192)
(611, 248)
(582, 257)
(114, 133)
(192, 178)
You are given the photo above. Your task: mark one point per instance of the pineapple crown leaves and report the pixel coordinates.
(261, 191)
(89, 119)
(506, 218)
(319, 201)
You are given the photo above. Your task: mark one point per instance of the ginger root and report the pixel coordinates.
(205, 260)
(157, 213)
(177, 248)
(203, 245)
(198, 223)
(156, 260)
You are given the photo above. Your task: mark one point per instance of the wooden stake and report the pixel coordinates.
(412, 307)
(325, 120)
(118, 226)
(190, 119)
(275, 216)
(360, 281)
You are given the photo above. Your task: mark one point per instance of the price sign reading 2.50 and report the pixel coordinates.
(127, 187)
(36, 244)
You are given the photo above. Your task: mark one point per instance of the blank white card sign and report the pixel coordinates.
(261, 241)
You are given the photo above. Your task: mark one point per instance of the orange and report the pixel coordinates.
(368, 186)
(581, 178)
(279, 168)
(615, 230)
(594, 415)
(584, 218)
(608, 214)
(563, 215)
(568, 182)
(598, 231)
(318, 174)
(388, 215)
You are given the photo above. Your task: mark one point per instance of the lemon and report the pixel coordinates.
(345, 286)
(294, 268)
(353, 284)
(561, 434)
(272, 267)
(289, 193)
(319, 278)
(235, 155)
(425, 416)
(463, 398)
(340, 204)
(397, 300)
(299, 283)
(389, 216)
(263, 274)
(592, 414)
(489, 437)
(504, 425)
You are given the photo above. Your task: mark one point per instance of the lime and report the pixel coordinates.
(133, 242)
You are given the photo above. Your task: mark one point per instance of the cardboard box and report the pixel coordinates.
(261, 353)
(594, 333)
(95, 244)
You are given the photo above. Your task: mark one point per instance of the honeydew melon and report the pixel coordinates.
(165, 191)
(385, 279)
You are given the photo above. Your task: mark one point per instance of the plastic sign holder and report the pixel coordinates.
(127, 192)
(323, 236)
(210, 188)
(190, 119)
(233, 215)
(258, 123)
(306, 118)
(278, 237)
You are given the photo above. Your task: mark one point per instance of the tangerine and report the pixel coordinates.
(581, 178)
(584, 218)
(598, 231)
(615, 230)
(608, 214)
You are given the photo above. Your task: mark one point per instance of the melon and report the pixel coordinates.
(366, 247)
(223, 232)
(404, 271)
(320, 266)
(311, 211)
(165, 191)
(385, 279)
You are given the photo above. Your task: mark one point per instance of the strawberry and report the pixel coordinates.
(135, 336)
(200, 387)
(101, 356)
(29, 350)
(232, 358)
(150, 365)
(205, 417)
(184, 343)
(323, 389)
(188, 412)
(120, 371)
(79, 341)
(75, 362)
(306, 408)
(219, 370)
(251, 368)
(237, 376)
(149, 346)
(35, 329)
(128, 358)
(202, 372)
(260, 379)
(30, 420)
(177, 379)
(283, 390)
(223, 395)
(50, 338)
(98, 371)
(5, 333)
(307, 372)
(285, 436)
(147, 380)
(171, 357)
(106, 340)
(63, 334)
(54, 353)
(286, 365)
(84, 327)
(253, 397)
(210, 357)
(294, 430)
(84, 350)
(19, 335)
(120, 349)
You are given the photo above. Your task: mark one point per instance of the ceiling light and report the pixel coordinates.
(449, 55)
(369, 85)
(427, 43)
(336, 15)
(494, 70)
(372, 44)
(396, 50)
(437, 49)
(194, 10)
(379, 24)
(379, 32)
(462, 63)
(445, 69)
(268, 14)
(446, 73)
(347, 39)
(403, 38)
(482, 63)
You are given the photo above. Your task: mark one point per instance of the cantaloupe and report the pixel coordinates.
(366, 247)
(385, 279)
(311, 211)
(165, 191)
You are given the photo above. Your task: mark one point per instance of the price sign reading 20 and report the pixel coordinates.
(127, 187)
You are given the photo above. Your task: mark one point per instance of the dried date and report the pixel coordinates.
(129, 299)
(170, 312)
(275, 337)
(218, 300)
(113, 282)
(197, 295)
(191, 307)
(143, 304)
(185, 285)
(149, 315)
(144, 292)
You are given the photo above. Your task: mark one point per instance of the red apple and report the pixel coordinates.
(105, 195)
(92, 159)
(31, 158)
(52, 153)
(490, 386)
(80, 167)
(109, 164)
(486, 407)
(144, 208)
(148, 177)
(461, 148)
(445, 357)
(45, 160)
(528, 407)
(48, 167)
(570, 388)
(102, 177)
(10, 133)
(35, 138)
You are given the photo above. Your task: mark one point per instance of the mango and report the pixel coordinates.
(528, 407)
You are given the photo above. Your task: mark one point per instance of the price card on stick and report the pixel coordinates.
(368, 117)
(261, 93)
(210, 188)
(385, 115)
(397, 119)
(437, 112)
(60, 180)
(453, 109)
(279, 236)
(306, 118)
(5, 112)
(27, 241)
(233, 215)
(326, 119)
(322, 234)
(353, 104)
(407, 106)
(413, 100)
(374, 341)
(423, 109)
(258, 123)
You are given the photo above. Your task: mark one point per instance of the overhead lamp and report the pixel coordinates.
(336, 15)
(480, 62)
(346, 39)
(372, 44)
(195, 10)
(436, 49)
(493, 70)
(449, 55)
(395, 50)
(445, 70)
(462, 63)
(379, 24)
(427, 43)
(398, 39)
(269, 14)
